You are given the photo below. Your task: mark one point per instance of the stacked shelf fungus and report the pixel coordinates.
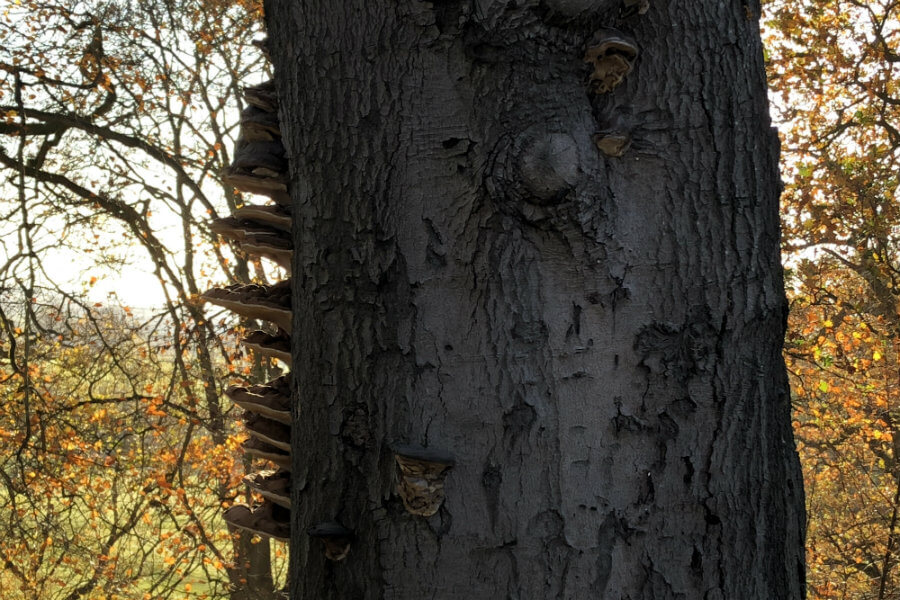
(262, 230)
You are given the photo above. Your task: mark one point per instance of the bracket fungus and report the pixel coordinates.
(335, 537)
(238, 229)
(259, 449)
(271, 345)
(262, 96)
(266, 159)
(267, 302)
(634, 7)
(271, 400)
(275, 247)
(273, 485)
(615, 137)
(274, 215)
(258, 239)
(612, 143)
(612, 54)
(257, 183)
(260, 167)
(267, 430)
(422, 475)
(258, 125)
(267, 519)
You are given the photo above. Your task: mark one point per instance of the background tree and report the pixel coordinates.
(117, 119)
(595, 339)
(832, 66)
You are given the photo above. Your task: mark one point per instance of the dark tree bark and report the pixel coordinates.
(595, 339)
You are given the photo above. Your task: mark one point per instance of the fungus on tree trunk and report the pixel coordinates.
(257, 448)
(269, 303)
(614, 138)
(271, 345)
(421, 477)
(268, 519)
(273, 485)
(267, 430)
(272, 400)
(274, 247)
(612, 54)
(335, 537)
(259, 167)
(275, 215)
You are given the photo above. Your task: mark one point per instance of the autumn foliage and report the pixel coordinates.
(118, 448)
(111, 483)
(833, 73)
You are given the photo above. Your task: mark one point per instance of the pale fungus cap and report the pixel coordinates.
(422, 472)
(335, 537)
(613, 54)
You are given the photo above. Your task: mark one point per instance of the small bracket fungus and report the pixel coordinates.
(634, 7)
(262, 183)
(612, 143)
(614, 139)
(257, 239)
(236, 229)
(276, 248)
(258, 125)
(613, 54)
(267, 430)
(422, 474)
(259, 449)
(264, 159)
(335, 537)
(262, 96)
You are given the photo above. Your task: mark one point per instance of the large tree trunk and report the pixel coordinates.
(595, 339)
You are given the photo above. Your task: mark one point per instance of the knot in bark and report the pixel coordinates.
(537, 166)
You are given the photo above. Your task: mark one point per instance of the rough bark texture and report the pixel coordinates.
(596, 340)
